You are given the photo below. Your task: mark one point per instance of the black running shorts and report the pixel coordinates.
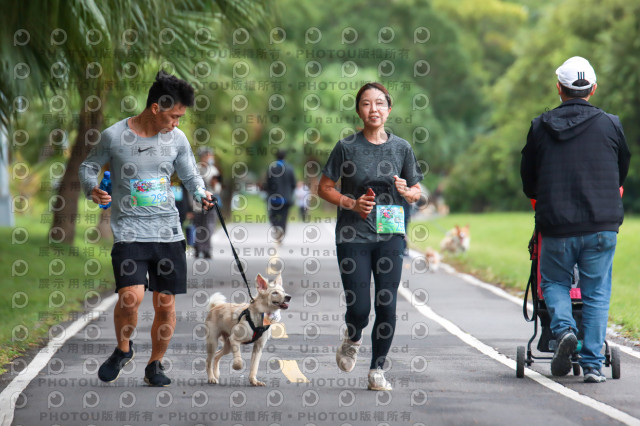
(165, 263)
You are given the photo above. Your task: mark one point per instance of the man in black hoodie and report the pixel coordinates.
(574, 164)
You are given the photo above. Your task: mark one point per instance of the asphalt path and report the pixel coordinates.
(452, 361)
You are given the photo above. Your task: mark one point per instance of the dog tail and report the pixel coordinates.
(217, 299)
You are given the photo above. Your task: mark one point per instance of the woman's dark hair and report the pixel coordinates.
(574, 93)
(373, 85)
(168, 90)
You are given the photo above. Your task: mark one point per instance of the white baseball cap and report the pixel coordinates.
(574, 69)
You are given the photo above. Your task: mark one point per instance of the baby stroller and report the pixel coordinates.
(547, 343)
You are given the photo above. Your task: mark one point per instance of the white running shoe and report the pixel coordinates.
(347, 354)
(377, 382)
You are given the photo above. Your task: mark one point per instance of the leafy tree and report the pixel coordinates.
(487, 176)
(87, 47)
(487, 31)
(321, 57)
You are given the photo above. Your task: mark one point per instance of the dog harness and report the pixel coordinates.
(257, 331)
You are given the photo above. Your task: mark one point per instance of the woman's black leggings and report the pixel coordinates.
(357, 261)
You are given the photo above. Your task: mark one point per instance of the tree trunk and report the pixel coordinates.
(65, 214)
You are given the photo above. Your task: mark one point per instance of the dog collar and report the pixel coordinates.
(257, 331)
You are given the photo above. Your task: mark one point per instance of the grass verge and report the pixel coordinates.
(45, 283)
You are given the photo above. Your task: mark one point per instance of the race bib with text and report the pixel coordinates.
(390, 219)
(149, 192)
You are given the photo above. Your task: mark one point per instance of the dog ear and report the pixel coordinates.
(261, 283)
(278, 280)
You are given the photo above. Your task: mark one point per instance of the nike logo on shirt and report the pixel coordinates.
(143, 150)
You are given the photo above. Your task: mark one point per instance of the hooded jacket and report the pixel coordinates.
(575, 160)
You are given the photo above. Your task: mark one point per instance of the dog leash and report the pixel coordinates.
(233, 250)
(532, 283)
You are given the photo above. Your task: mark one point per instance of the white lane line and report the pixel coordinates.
(612, 412)
(10, 394)
(500, 292)
(627, 350)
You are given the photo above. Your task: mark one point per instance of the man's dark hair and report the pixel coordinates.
(574, 93)
(281, 154)
(168, 90)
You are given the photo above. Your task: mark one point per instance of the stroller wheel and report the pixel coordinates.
(576, 369)
(615, 363)
(520, 362)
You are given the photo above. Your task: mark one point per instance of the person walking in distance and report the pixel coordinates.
(143, 152)
(281, 182)
(377, 171)
(302, 200)
(205, 223)
(574, 162)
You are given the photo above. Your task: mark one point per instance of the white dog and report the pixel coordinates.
(433, 259)
(237, 324)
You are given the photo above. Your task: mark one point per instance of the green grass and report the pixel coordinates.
(44, 293)
(498, 254)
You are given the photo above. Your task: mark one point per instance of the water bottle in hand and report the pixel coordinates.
(105, 185)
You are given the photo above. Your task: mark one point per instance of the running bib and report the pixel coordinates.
(390, 219)
(149, 192)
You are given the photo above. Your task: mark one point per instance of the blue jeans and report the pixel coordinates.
(593, 254)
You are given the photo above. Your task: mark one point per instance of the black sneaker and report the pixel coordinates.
(593, 375)
(566, 345)
(154, 375)
(110, 369)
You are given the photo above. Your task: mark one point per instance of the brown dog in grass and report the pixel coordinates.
(237, 324)
(456, 240)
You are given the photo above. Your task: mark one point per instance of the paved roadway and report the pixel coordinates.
(451, 362)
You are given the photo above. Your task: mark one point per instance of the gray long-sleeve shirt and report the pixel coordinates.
(143, 205)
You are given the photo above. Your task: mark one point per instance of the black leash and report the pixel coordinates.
(233, 250)
(533, 279)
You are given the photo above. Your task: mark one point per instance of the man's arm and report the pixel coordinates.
(185, 166)
(528, 167)
(624, 157)
(89, 171)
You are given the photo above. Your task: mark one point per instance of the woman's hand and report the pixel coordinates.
(364, 204)
(401, 185)
(328, 192)
(411, 193)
